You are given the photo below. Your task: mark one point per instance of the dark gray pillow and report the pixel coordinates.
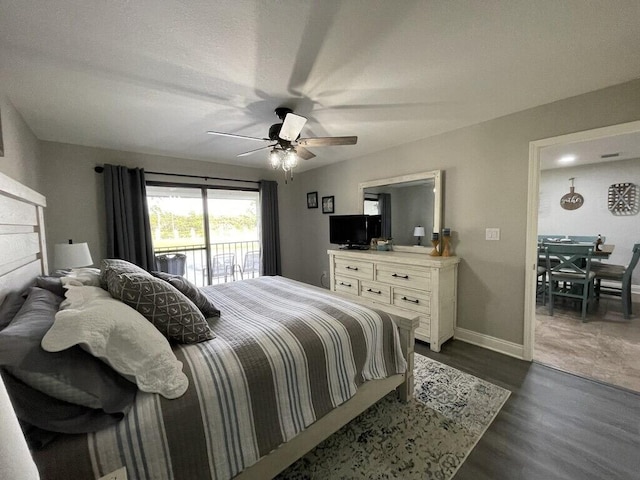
(72, 373)
(35, 409)
(170, 311)
(192, 292)
(51, 283)
(10, 306)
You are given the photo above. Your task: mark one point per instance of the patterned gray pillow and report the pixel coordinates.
(192, 292)
(111, 267)
(164, 306)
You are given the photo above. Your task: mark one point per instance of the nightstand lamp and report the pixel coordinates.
(418, 232)
(71, 255)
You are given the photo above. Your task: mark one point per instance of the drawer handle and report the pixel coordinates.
(378, 292)
(348, 267)
(406, 277)
(410, 300)
(345, 284)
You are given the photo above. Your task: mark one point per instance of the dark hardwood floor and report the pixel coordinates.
(554, 425)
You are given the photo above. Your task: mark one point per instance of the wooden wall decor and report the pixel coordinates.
(571, 200)
(623, 199)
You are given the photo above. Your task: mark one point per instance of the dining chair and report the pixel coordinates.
(617, 273)
(541, 283)
(569, 274)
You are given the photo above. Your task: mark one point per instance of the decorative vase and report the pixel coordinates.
(446, 240)
(435, 252)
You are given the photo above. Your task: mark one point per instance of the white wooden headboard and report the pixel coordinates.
(23, 250)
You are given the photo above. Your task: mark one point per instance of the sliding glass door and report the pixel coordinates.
(233, 232)
(208, 235)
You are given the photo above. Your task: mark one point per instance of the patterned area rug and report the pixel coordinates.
(427, 438)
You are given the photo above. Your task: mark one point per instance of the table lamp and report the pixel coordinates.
(418, 232)
(71, 255)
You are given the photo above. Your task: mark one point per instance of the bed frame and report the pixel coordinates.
(23, 256)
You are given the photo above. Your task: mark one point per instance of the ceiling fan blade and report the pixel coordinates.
(304, 154)
(234, 135)
(256, 150)
(327, 141)
(291, 127)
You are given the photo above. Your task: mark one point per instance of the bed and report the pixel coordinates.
(289, 365)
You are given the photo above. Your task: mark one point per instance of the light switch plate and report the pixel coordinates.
(492, 234)
(120, 474)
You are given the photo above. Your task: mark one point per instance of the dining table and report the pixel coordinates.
(603, 253)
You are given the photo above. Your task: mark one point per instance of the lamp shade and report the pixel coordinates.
(418, 232)
(70, 255)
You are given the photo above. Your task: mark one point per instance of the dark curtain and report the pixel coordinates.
(384, 206)
(270, 228)
(128, 227)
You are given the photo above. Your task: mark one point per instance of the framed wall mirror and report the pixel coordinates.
(404, 203)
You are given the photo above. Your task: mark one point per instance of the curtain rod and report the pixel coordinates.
(99, 169)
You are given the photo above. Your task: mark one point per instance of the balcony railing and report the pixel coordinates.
(230, 261)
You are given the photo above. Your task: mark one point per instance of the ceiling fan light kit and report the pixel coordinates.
(285, 159)
(288, 146)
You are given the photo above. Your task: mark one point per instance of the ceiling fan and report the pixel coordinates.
(286, 145)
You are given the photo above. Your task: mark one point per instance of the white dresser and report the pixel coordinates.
(406, 284)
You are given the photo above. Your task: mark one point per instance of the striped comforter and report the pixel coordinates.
(284, 356)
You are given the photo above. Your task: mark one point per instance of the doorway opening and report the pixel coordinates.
(606, 346)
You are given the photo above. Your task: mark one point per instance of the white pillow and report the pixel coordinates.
(82, 276)
(119, 336)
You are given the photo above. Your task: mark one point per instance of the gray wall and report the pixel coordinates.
(485, 184)
(21, 148)
(75, 193)
(592, 182)
(411, 206)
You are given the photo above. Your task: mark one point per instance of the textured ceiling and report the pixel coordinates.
(153, 76)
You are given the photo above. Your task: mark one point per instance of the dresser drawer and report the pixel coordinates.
(347, 285)
(413, 300)
(403, 276)
(354, 268)
(375, 291)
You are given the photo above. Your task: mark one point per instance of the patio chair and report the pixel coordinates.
(251, 263)
(223, 265)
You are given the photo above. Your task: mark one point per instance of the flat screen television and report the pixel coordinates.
(353, 231)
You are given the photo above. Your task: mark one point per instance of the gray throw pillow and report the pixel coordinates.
(69, 374)
(170, 311)
(52, 283)
(192, 292)
(35, 409)
(10, 306)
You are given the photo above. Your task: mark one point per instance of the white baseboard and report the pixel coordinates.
(491, 343)
(502, 346)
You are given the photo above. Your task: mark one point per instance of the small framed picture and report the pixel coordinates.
(327, 204)
(312, 200)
